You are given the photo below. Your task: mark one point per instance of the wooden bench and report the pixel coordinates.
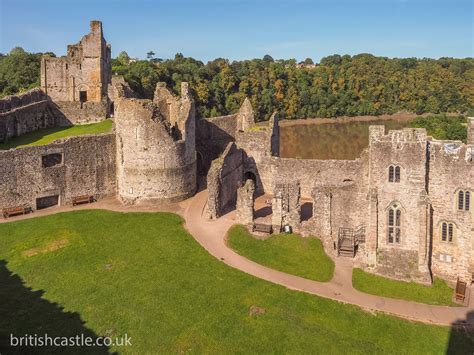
(264, 228)
(78, 200)
(461, 287)
(15, 211)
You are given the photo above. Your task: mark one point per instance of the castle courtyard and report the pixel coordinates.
(137, 218)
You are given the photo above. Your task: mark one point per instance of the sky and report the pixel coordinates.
(246, 29)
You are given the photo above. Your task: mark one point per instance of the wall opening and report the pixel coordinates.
(200, 165)
(50, 160)
(306, 211)
(249, 175)
(82, 96)
(47, 201)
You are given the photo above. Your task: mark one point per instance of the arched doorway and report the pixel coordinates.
(250, 175)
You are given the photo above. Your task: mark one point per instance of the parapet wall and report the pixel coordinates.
(83, 165)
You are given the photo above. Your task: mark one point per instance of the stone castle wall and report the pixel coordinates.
(25, 113)
(86, 166)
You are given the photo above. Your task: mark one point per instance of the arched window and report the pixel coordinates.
(394, 173)
(447, 232)
(464, 200)
(394, 224)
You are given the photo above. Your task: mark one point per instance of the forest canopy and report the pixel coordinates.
(362, 84)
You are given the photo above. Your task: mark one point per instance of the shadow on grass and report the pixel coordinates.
(461, 336)
(24, 312)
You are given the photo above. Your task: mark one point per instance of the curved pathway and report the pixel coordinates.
(211, 235)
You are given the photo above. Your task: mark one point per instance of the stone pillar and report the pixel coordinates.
(277, 212)
(371, 239)
(245, 203)
(424, 208)
(322, 218)
(286, 206)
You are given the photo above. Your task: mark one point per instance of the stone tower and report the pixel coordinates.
(156, 153)
(84, 74)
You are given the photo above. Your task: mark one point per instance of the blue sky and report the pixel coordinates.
(245, 29)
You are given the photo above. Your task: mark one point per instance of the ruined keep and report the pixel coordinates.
(78, 83)
(402, 209)
(156, 153)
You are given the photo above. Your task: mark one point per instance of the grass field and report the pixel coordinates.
(293, 254)
(107, 273)
(48, 135)
(439, 293)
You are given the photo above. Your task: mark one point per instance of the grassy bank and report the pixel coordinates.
(438, 294)
(49, 135)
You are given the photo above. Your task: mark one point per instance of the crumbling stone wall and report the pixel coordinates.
(156, 156)
(214, 134)
(87, 168)
(246, 202)
(20, 114)
(224, 178)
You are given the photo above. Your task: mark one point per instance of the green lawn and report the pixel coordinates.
(289, 253)
(439, 293)
(48, 135)
(98, 272)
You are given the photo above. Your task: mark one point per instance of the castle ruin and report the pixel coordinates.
(403, 209)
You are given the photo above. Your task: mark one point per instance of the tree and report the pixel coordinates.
(150, 55)
(123, 58)
(268, 58)
(308, 61)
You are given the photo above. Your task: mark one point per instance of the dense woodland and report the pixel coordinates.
(339, 85)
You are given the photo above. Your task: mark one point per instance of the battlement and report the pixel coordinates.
(397, 137)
